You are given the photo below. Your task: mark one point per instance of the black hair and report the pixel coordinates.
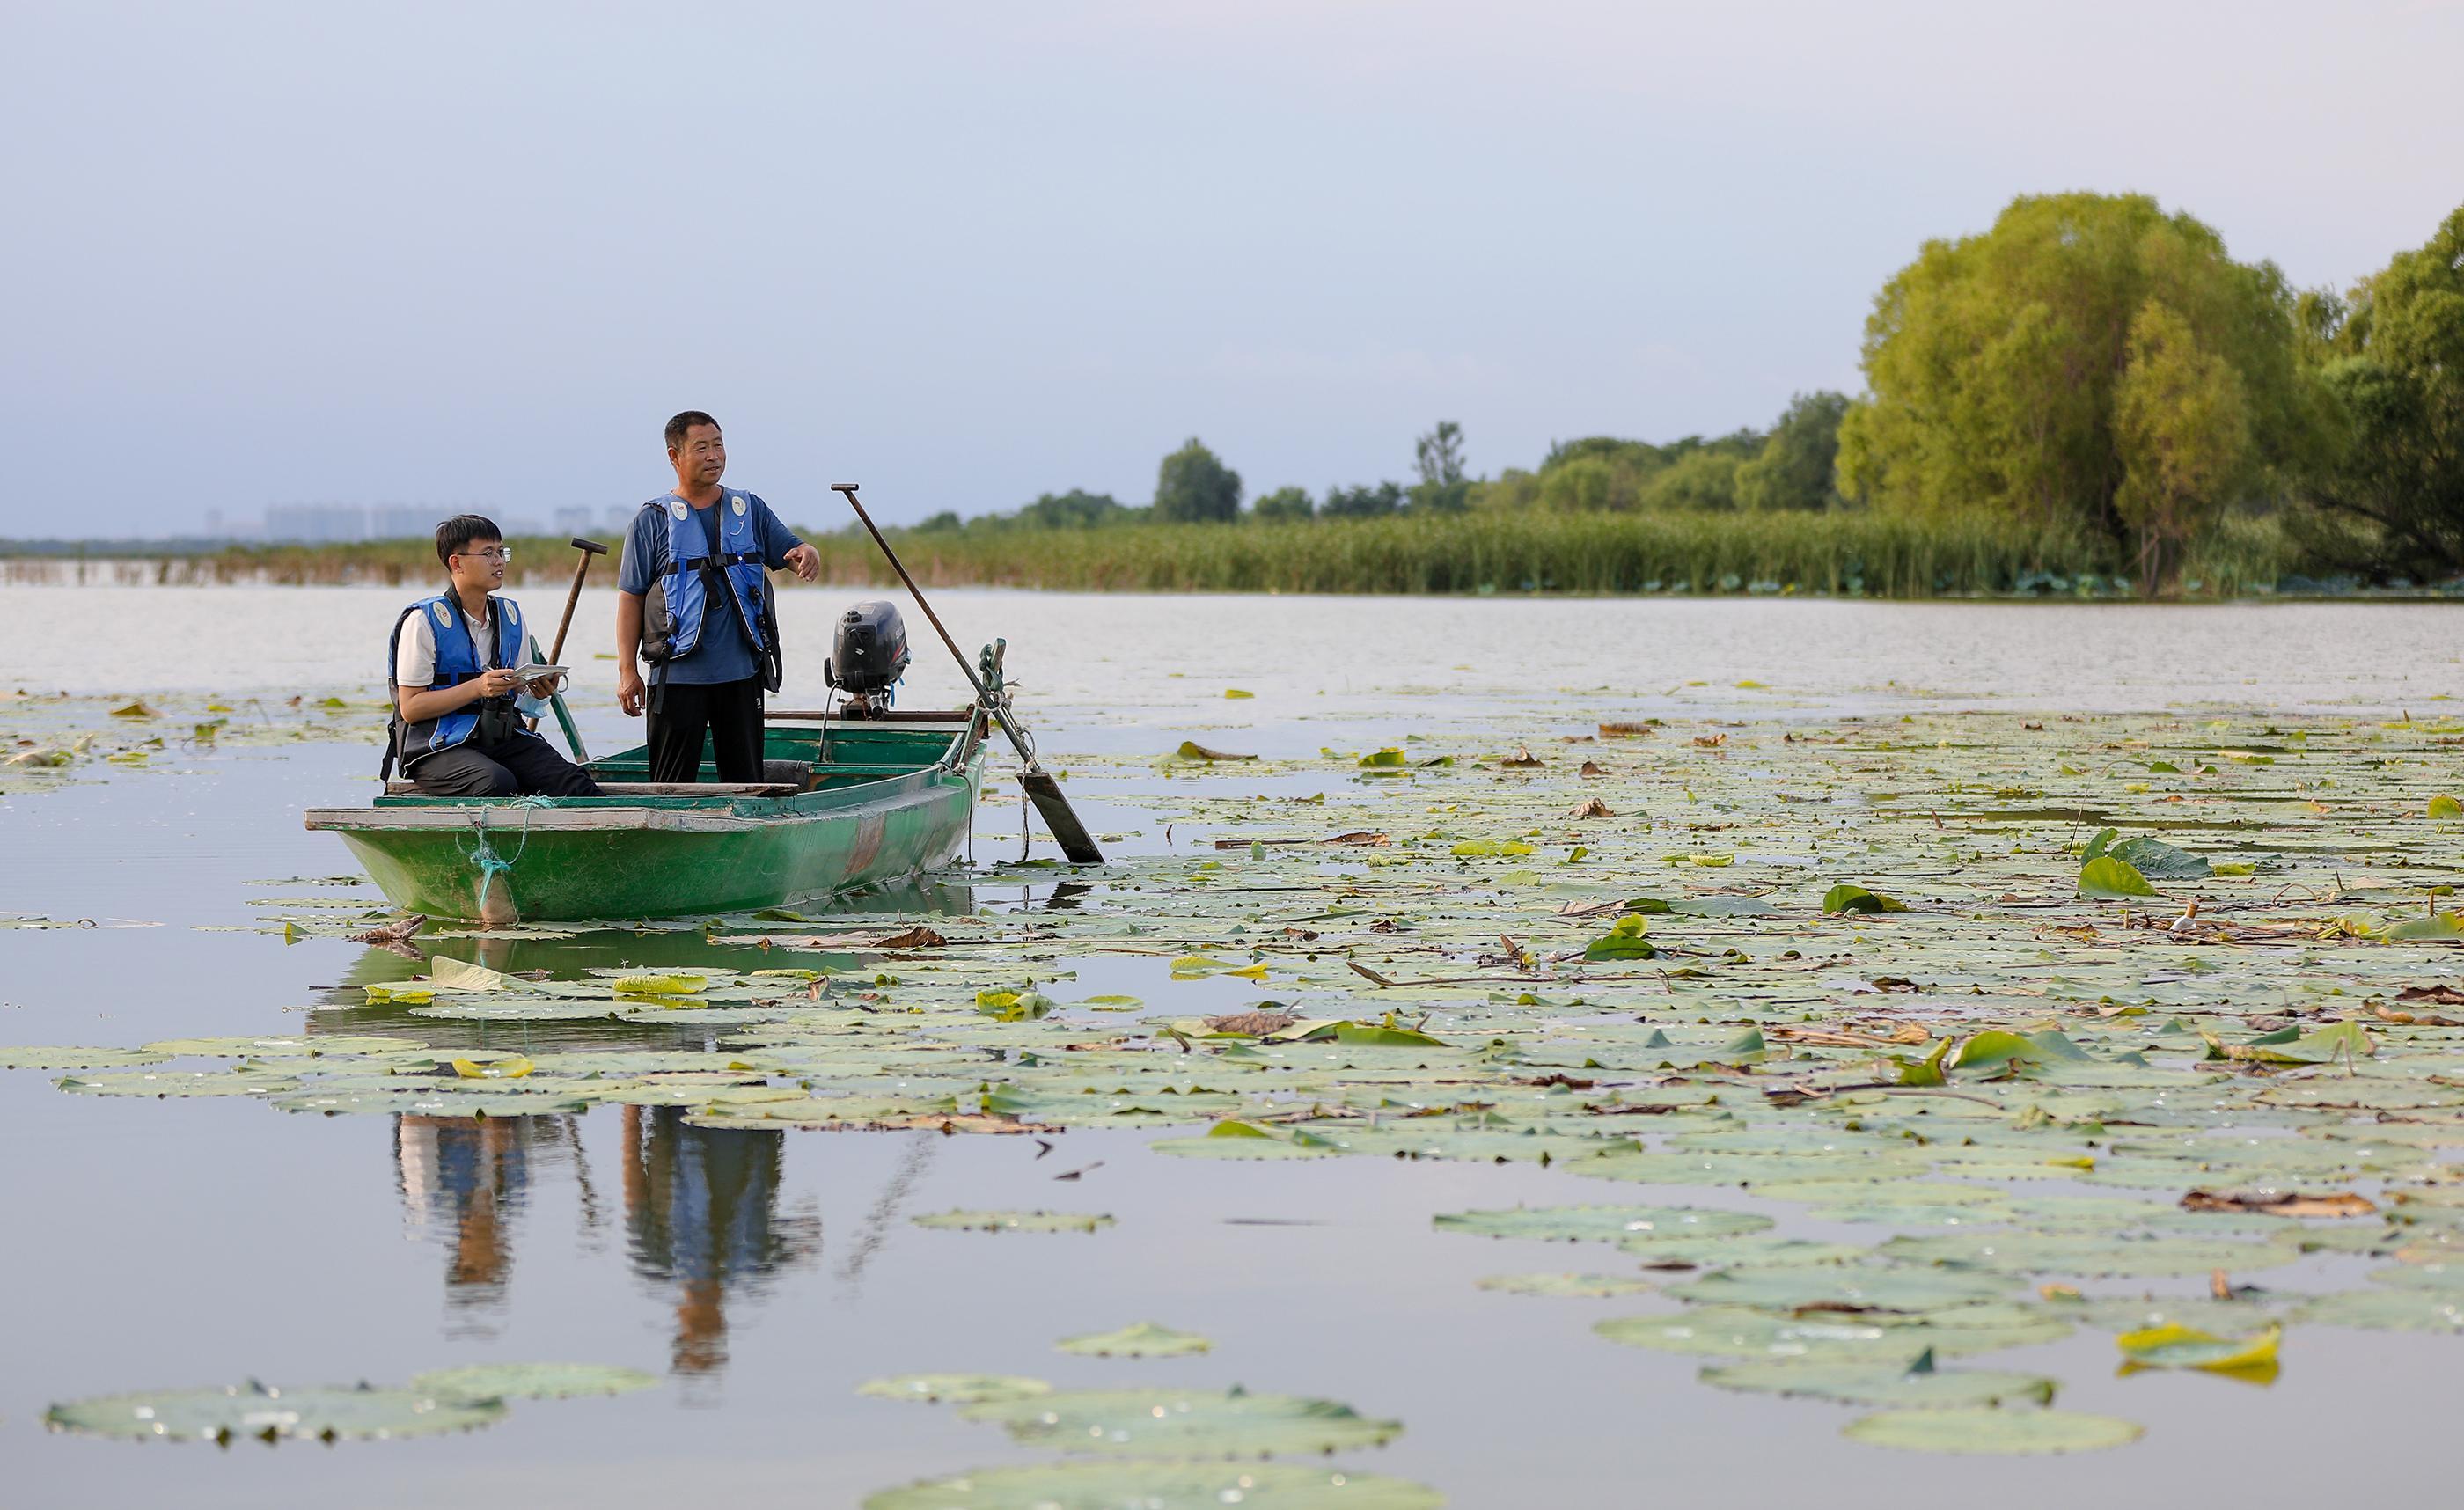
(678, 427)
(460, 531)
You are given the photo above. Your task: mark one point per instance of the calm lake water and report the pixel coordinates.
(767, 1275)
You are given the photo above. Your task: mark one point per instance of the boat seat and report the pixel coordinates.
(796, 773)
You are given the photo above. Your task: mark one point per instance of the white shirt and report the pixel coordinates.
(414, 659)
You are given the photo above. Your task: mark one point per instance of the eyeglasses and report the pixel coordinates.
(500, 553)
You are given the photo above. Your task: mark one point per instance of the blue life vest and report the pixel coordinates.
(458, 661)
(680, 599)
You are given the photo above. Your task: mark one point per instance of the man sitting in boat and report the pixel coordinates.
(457, 729)
(694, 605)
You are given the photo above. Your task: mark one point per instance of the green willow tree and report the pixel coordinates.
(2182, 426)
(2391, 356)
(1194, 485)
(1798, 464)
(1994, 366)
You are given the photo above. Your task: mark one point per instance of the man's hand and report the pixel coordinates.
(630, 691)
(497, 683)
(806, 561)
(546, 686)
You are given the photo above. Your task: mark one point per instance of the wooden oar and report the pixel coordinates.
(1040, 786)
(572, 596)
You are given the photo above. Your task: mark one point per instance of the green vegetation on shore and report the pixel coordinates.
(1850, 553)
(2090, 398)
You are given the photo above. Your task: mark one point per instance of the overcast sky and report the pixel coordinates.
(441, 253)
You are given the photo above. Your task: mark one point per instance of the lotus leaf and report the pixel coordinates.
(1873, 1289)
(55, 1057)
(2174, 1345)
(1186, 1423)
(2108, 877)
(1159, 1486)
(1603, 1223)
(178, 1082)
(1586, 1285)
(957, 1388)
(1138, 1340)
(1993, 1432)
(1846, 897)
(330, 1412)
(1920, 1385)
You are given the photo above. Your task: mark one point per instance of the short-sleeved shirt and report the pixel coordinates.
(414, 655)
(723, 654)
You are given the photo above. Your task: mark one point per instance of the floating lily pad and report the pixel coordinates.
(1992, 1432)
(1918, 1386)
(1603, 1223)
(176, 1083)
(1868, 1288)
(957, 1389)
(1186, 1423)
(1581, 1285)
(1159, 1486)
(328, 1412)
(62, 1057)
(1138, 1340)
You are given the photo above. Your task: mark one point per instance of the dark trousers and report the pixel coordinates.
(728, 713)
(512, 767)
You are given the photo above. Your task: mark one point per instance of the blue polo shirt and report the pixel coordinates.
(723, 653)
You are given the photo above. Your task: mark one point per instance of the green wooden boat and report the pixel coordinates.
(845, 804)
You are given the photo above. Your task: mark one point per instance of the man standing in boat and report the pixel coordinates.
(695, 606)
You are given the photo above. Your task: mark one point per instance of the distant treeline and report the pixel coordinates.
(2091, 396)
(2093, 372)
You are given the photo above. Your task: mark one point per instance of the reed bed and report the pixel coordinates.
(1847, 554)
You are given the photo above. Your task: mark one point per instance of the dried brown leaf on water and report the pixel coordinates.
(1359, 835)
(1710, 742)
(1626, 731)
(2413, 1020)
(1590, 769)
(1522, 759)
(1192, 749)
(916, 937)
(2280, 1203)
(1256, 1024)
(395, 936)
(1594, 808)
(2441, 996)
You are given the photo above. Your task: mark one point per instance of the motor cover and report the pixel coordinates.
(868, 652)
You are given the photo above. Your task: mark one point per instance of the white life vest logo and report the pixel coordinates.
(679, 509)
(512, 615)
(442, 617)
(738, 499)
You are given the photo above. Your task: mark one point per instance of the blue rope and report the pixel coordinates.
(484, 855)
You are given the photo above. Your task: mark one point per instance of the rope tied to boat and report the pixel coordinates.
(484, 855)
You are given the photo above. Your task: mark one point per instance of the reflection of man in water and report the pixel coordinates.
(473, 1174)
(701, 1209)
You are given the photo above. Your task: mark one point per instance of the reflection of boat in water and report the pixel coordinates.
(853, 803)
(702, 1213)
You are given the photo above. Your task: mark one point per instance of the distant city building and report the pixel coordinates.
(620, 517)
(395, 522)
(572, 522)
(315, 523)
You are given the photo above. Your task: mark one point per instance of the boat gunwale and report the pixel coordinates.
(717, 813)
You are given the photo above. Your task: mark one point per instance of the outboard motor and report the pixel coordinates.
(868, 656)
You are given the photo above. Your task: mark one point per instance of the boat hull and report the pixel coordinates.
(538, 860)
